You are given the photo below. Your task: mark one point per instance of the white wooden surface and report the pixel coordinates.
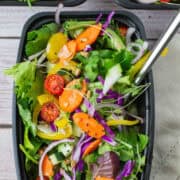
(167, 85)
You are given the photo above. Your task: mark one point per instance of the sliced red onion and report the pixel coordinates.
(109, 140)
(108, 21)
(58, 176)
(127, 170)
(77, 151)
(73, 173)
(99, 18)
(65, 175)
(88, 48)
(58, 12)
(53, 127)
(49, 148)
(130, 32)
(89, 107)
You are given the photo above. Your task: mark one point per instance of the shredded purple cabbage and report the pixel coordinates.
(99, 18)
(53, 126)
(108, 21)
(58, 176)
(88, 48)
(127, 170)
(80, 165)
(102, 121)
(110, 95)
(109, 140)
(77, 110)
(100, 78)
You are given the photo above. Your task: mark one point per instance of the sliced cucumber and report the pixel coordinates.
(56, 158)
(65, 149)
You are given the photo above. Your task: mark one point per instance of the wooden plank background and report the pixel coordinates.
(12, 20)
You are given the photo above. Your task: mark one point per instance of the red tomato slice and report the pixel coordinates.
(49, 112)
(54, 84)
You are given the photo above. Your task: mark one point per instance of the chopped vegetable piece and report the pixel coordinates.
(64, 133)
(54, 84)
(49, 112)
(91, 147)
(112, 77)
(38, 39)
(68, 51)
(44, 98)
(56, 42)
(89, 125)
(115, 122)
(72, 95)
(103, 178)
(47, 167)
(88, 36)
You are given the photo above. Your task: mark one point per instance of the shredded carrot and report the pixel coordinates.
(89, 125)
(103, 178)
(88, 36)
(92, 146)
(47, 167)
(71, 97)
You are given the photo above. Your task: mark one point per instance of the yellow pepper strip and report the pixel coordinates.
(44, 98)
(69, 65)
(36, 112)
(115, 122)
(61, 123)
(136, 67)
(66, 133)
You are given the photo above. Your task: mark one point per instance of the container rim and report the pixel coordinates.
(129, 4)
(67, 3)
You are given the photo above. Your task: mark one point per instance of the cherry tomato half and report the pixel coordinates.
(54, 84)
(49, 112)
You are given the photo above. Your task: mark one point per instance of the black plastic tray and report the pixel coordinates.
(67, 3)
(146, 101)
(132, 4)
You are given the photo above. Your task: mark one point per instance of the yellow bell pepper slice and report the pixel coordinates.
(115, 122)
(44, 98)
(66, 133)
(55, 43)
(61, 123)
(136, 67)
(69, 65)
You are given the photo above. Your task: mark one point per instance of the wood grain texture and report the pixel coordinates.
(8, 53)
(155, 21)
(7, 165)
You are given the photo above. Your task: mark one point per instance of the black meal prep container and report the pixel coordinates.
(132, 4)
(67, 3)
(145, 101)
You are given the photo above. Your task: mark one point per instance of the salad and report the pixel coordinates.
(71, 90)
